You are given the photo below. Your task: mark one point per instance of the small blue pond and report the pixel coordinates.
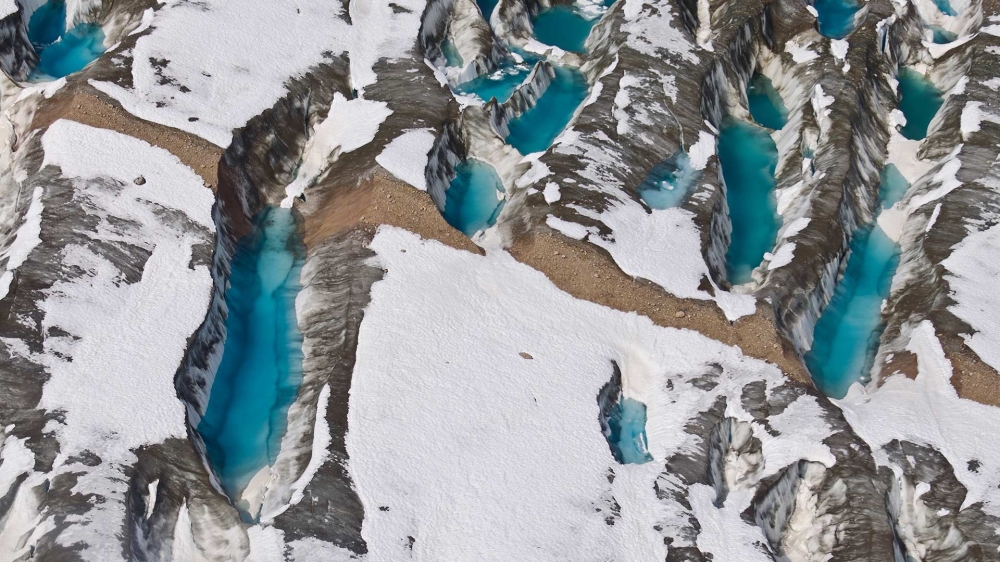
(765, 103)
(500, 84)
(919, 100)
(893, 186)
(61, 52)
(451, 54)
(536, 129)
(487, 7)
(945, 7)
(669, 182)
(627, 432)
(566, 27)
(836, 17)
(846, 336)
(474, 199)
(261, 367)
(748, 158)
(941, 35)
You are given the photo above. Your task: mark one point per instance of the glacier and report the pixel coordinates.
(468, 342)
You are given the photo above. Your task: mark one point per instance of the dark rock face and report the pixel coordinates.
(17, 56)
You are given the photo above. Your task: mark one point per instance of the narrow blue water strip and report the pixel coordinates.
(919, 100)
(748, 158)
(536, 129)
(487, 7)
(945, 7)
(261, 368)
(847, 334)
(892, 186)
(941, 35)
(765, 103)
(500, 84)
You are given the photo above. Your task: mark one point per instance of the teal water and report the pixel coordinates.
(47, 24)
(942, 35)
(669, 182)
(919, 100)
(748, 158)
(566, 27)
(261, 367)
(892, 187)
(61, 52)
(487, 7)
(76, 49)
(945, 7)
(627, 432)
(765, 103)
(836, 17)
(500, 84)
(536, 129)
(451, 54)
(846, 336)
(472, 201)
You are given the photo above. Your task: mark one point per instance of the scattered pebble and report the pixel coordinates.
(139, 180)
(679, 314)
(525, 355)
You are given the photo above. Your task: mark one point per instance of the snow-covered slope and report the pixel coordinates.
(453, 397)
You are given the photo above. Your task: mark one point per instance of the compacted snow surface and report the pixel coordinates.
(452, 430)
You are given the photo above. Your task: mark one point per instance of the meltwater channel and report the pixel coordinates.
(261, 368)
(846, 337)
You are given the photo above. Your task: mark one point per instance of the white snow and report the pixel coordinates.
(151, 497)
(973, 275)
(700, 152)
(349, 125)
(798, 426)
(623, 100)
(663, 247)
(927, 410)
(934, 217)
(781, 257)
(573, 230)
(800, 53)
(309, 549)
(15, 459)
(973, 117)
(7, 7)
(124, 340)
(25, 240)
(838, 47)
(320, 451)
(724, 532)
(537, 171)
(551, 193)
(480, 454)
(233, 60)
(652, 26)
(406, 156)
(99, 389)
